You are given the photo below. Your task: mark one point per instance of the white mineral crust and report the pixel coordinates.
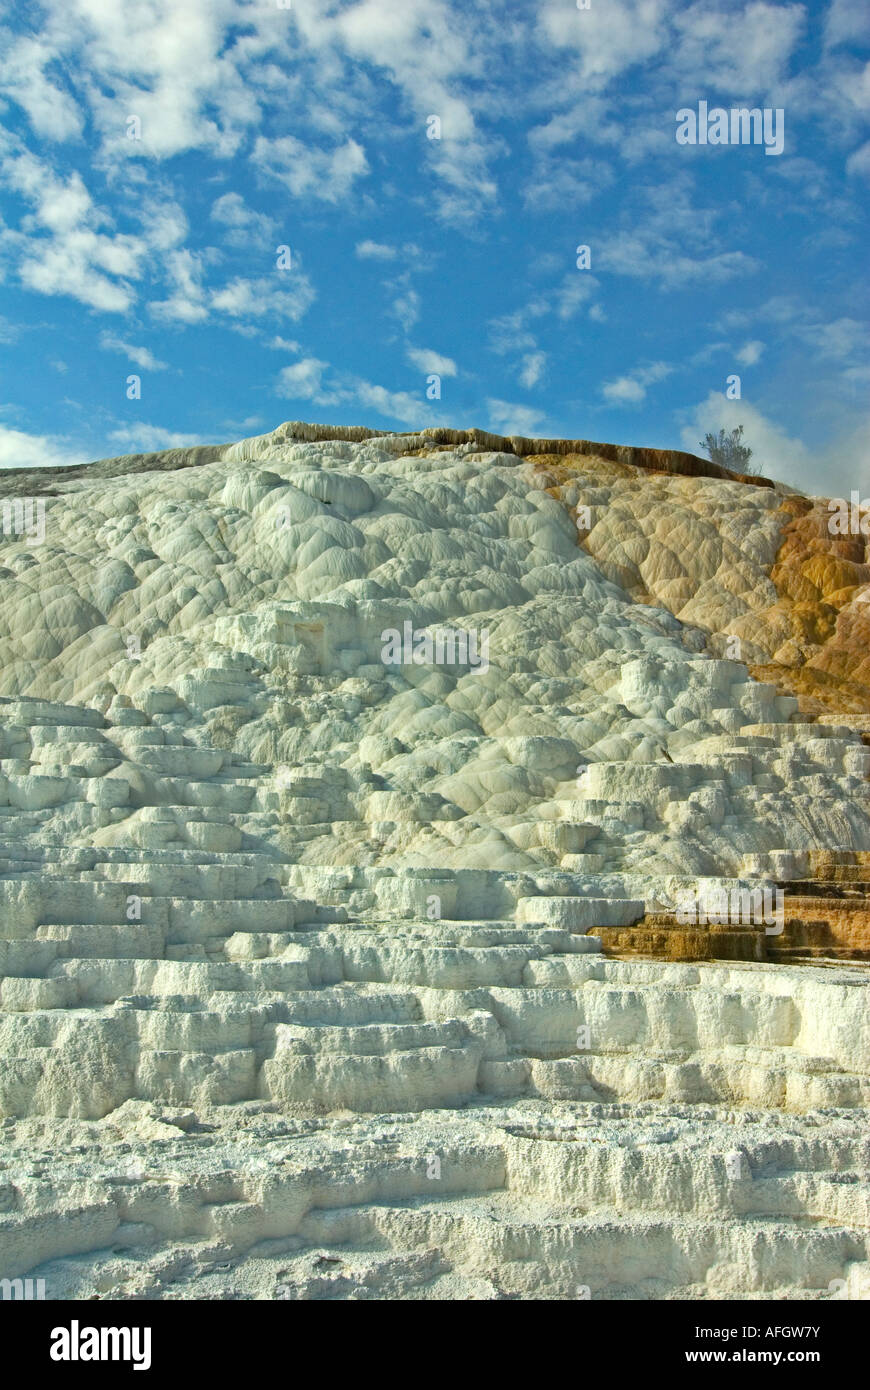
(300, 993)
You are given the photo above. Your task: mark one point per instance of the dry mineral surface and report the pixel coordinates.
(431, 866)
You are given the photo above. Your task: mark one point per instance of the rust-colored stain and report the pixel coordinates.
(657, 935)
(824, 658)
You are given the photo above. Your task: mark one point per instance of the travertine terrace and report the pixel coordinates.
(332, 973)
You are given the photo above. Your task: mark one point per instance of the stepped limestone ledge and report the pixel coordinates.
(352, 790)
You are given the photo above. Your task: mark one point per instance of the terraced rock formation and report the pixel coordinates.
(350, 788)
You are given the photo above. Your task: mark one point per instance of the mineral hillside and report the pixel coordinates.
(353, 788)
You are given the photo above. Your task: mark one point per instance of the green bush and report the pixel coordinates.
(728, 450)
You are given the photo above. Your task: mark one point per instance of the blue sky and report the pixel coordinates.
(308, 127)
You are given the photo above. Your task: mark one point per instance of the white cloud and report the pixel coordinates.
(625, 390)
(609, 38)
(844, 464)
(202, 76)
(406, 308)
(631, 389)
(245, 225)
(511, 332)
(397, 405)
(438, 56)
(667, 239)
(176, 67)
(142, 356)
(304, 380)
(573, 292)
(250, 422)
(707, 353)
(61, 251)
(67, 268)
(283, 295)
(652, 258)
(164, 221)
(506, 417)
(857, 374)
(847, 21)
(21, 450)
(375, 251)
(557, 182)
(52, 112)
(750, 353)
(838, 339)
(738, 51)
(280, 344)
(429, 361)
(532, 369)
(859, 162)
(186, 303)
(311, 173)
(149, 439)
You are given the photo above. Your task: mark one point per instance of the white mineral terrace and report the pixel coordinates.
(301, 994)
